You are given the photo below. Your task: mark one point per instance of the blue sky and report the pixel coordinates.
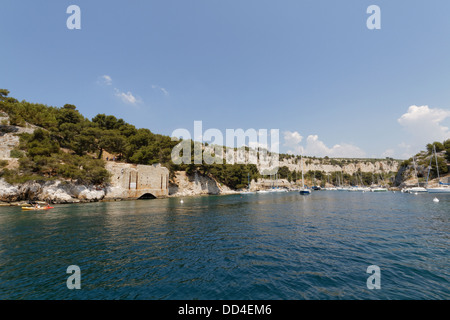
(311, 69)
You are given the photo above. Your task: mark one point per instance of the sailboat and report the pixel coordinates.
(316, 187)
(278, 189)
(418, 188)
(341, 183)
(443, 188)
(303, 190)
(248, 187)
(378, 188)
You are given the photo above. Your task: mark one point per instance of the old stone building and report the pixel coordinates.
(130, 181)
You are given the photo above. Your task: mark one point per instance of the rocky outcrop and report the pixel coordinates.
(408, 177)
(349, 166)
(9, 136)
(8, 193)
(327, 165)
(50, 191)
(184, 185)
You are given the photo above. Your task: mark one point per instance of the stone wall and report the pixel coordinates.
(130, 181)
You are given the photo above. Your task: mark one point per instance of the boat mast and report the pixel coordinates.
(303, 182)
(437, 167)
(429, 169)
(415, 171)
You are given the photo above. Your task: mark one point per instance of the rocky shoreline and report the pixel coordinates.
(64, 192)
(50, 191)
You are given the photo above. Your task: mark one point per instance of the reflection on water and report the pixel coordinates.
(256, 246)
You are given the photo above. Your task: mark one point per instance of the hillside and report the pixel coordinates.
(44, 143)
(422, 168)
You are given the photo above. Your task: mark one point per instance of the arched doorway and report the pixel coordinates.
(146, 196)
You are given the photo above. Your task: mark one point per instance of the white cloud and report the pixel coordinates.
(127, 97)
(292, 141)
(164, 91)
(316, 147)
(424, 120)
(105, 80)
(424, 125)
(292, 138)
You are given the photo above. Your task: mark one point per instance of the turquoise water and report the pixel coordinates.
(268, 246)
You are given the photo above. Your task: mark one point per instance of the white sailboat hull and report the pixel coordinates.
(379, 190)
(414, 190)
(439, 190)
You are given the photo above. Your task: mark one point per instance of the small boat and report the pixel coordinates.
(417, 189)
(443, 189)
(37, 208)
(379, 189)
(303, 189)
(247, 191)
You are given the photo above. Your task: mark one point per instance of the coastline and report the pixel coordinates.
(63, 192)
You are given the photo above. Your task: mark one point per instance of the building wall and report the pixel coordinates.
(133, 181)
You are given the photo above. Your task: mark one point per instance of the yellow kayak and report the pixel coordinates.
(33, 208)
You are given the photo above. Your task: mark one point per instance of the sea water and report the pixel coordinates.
(275, 246)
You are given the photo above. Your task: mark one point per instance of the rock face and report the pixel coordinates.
(197, 185)
(349, 166)
(9, 136)
(127, 182)
(408, 177)
(50, 191)
(8, 193)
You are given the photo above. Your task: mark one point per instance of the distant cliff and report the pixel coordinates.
(344, 165)
(56, 179)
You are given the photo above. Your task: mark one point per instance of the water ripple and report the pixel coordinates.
(273, 246)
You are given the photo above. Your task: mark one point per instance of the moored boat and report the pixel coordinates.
(417, 189)
(303, 189)
(37, 208)
(442, 188)
(379, 189)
